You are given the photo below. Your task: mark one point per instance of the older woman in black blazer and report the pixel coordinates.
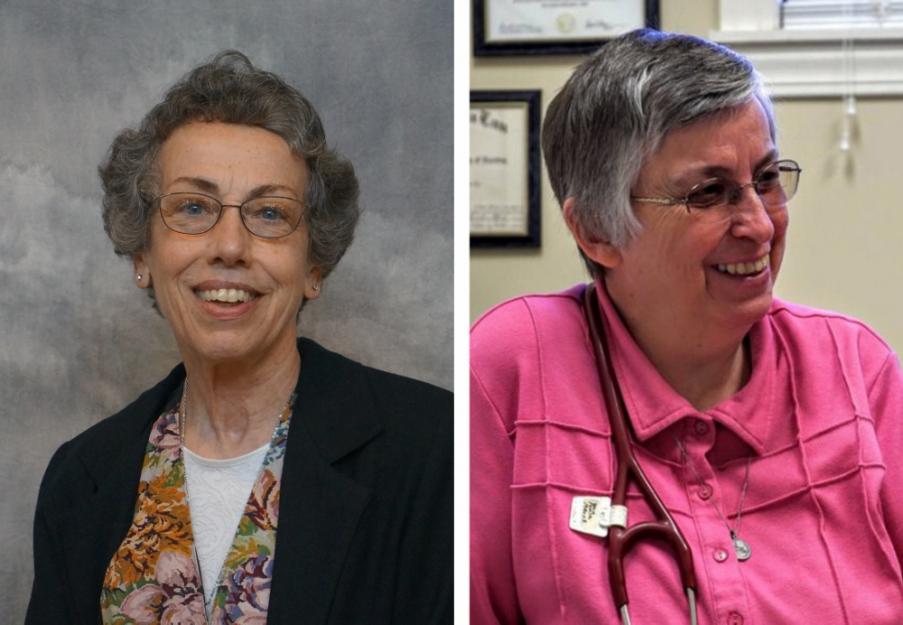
(266, 479)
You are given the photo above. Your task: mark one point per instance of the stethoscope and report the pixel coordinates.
(621, 537)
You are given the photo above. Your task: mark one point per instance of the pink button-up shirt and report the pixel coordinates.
(819, 423)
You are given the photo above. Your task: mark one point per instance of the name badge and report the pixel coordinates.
(591, 515)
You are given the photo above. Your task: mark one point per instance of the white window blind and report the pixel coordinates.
(819, 48)
(841, 14)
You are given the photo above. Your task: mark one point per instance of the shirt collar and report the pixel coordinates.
(753, 413)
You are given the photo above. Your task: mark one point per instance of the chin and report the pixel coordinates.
(748, 313)
(219, 348)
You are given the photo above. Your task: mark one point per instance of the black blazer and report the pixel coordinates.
(365, 517)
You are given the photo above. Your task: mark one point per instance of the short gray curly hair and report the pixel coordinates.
(230, 89)
(615, 110)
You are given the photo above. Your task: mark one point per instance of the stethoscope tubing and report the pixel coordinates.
(622, 538)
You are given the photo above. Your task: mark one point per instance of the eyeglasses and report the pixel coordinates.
(268, 217)
(775, 184)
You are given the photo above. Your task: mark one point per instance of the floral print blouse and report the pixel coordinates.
(153, 578)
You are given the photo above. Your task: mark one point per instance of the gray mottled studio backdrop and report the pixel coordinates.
(78, 339)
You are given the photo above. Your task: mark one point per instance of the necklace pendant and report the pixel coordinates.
(741, 548)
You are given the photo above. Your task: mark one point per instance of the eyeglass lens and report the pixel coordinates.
(196, 213)
(775, 184)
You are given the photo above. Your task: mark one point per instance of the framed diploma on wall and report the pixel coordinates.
(511, 27)
(504, 168)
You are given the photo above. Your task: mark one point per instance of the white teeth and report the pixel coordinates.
(230, 296)
(744, 269)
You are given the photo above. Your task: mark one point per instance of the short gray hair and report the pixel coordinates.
(230, 89)
(615, 110)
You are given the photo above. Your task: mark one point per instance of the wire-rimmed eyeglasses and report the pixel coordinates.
(268, 217)
(775, 184)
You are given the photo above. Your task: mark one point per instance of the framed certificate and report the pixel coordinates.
(504, 168)
(511, 27)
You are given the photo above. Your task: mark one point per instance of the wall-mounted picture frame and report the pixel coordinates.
(519, 27)
(504, 169)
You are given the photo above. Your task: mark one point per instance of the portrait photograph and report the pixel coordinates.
(683, 400)
(228, 225)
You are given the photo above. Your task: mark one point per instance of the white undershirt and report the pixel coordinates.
(218, 492)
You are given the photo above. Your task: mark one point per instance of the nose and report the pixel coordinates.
(230, 240)
(751, 219)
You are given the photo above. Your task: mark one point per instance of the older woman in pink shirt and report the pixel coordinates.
(771, 432)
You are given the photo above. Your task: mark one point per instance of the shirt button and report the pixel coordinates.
(701, 427)
(734, 618)
(705, 491)
(720, 555)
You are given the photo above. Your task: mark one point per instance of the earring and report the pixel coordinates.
(316, 287)
(138, 278)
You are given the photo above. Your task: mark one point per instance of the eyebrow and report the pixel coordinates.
(208, 186)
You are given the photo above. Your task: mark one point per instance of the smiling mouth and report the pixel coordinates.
(743, 269)
(226, 296)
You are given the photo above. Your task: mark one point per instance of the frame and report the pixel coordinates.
(504, 169)
(529, 27)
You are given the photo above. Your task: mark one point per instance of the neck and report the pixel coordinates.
(704, 368)
(232, 408)
(709, 379)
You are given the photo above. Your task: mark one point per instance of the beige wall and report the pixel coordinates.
(845, 247)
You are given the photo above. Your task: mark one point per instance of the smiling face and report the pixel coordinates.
(709, 270)
(228, 295)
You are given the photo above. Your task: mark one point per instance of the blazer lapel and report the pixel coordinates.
(95, 526)
(320, 508)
